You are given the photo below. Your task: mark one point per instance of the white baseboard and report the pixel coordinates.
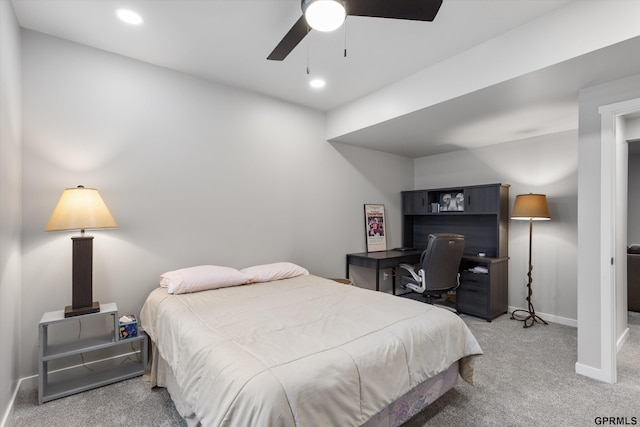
(597, 373)
(591, 372)
(9, 410)
(551, 318)
(29, 383)
(623, 339)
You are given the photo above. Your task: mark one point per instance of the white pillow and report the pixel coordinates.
(275, 271)
(202, 278)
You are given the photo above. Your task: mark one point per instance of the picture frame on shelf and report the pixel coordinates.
(452, 201)
(375, 227)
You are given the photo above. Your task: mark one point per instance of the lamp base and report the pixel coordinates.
(530, 317)
(69, 311)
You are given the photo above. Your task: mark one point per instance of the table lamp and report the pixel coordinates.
(531, 207)
(81, 208)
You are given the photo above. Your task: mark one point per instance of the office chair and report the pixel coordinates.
(439, 266)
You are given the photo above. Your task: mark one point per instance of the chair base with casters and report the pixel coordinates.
(429, 297)
(439, 267)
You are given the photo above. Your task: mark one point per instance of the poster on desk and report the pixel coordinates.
(375, 224)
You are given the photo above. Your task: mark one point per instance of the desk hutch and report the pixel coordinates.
(484, 221)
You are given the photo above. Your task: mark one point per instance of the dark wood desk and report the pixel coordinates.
(481, 295)
(383, 260)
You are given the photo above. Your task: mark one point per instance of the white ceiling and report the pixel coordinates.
(227, 41)
(536, 104)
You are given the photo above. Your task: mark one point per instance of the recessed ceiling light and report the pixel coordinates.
(129, 16)
(317, 83)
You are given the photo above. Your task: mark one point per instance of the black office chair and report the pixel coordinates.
(439, 267)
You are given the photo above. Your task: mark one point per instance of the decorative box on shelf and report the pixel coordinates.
(128, 327)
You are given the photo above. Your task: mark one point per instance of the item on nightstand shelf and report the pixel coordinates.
(128, 327)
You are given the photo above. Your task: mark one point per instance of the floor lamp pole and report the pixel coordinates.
(531, 316)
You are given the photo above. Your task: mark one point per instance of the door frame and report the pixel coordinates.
(610, 116)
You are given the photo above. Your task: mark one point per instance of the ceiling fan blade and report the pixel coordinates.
(290, 40)
(415, 10)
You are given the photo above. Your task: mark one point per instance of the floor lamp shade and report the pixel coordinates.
(530, 207)
(81, 209)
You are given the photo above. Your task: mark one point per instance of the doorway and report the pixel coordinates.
(633, 224)
(613, 229)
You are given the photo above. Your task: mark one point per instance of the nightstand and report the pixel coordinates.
(57, 383)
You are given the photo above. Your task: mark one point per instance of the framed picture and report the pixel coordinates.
(375, 228)
(452, 202)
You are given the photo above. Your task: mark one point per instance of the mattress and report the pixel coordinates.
(301, 352)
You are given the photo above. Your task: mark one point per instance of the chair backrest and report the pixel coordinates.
(441, 261)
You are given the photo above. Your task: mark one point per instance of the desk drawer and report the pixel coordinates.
(474, 280)
(472, 297)
(472, 301)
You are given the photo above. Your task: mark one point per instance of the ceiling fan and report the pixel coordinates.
(415, 10)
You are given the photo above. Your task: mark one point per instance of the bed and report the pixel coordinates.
(303, 351)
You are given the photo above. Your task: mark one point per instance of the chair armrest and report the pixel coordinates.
(414, 287)
(411, 270)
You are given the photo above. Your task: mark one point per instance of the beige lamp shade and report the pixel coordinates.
(79, 209)
(531, 207)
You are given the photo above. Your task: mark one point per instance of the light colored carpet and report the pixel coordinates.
(526, 377)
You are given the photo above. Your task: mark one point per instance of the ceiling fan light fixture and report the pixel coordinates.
(324, 15)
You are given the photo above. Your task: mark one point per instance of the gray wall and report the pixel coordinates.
(546, 165)
(10, 204)
(193, 172)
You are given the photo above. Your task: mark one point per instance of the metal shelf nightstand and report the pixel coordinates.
(64, 382)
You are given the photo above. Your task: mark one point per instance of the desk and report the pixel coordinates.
(480, 295)
(382, 260)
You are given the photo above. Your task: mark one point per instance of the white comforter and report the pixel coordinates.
(305, 351)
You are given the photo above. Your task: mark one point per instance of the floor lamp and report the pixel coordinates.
(532, 207)
(79, 209)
